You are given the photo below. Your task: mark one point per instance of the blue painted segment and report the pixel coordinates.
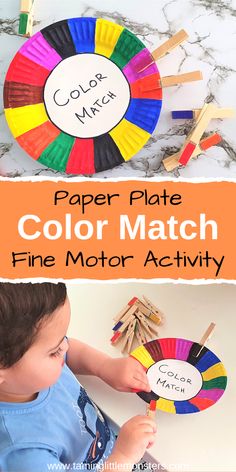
(208, 360)
(183, 115)
(185, 407)
(144, 113)
(117, 326)
(82, 31)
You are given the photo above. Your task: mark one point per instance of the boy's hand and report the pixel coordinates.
(135, 436)
(124, 374)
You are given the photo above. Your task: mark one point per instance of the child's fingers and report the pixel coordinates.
(142, 376)
(139, 385)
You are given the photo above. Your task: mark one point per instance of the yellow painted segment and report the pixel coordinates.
(129, 138)
(106, 37)
(213, 372)
(23, 119)
(166, 405)
(143, 356)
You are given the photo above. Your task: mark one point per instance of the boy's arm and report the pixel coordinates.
(84, 359)
(122, 374)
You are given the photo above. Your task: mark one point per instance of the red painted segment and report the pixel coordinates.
(147, 87)
(187, 153)
(81, 158)
(26, 71)
(201, 403)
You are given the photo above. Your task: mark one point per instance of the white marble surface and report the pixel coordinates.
(211, 48)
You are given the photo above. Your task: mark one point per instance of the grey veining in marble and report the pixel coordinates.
(211, 25)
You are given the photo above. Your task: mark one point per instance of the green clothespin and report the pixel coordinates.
(26, 18)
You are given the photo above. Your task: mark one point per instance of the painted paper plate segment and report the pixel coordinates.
(82, 95)
(184, 376)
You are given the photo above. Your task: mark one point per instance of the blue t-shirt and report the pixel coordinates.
(62, 429)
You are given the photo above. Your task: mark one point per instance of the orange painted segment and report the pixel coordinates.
(37, 139)
(211, 141)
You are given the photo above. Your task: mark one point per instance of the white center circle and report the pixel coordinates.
(174, 379)
(86, 95)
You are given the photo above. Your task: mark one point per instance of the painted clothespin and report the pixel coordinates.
(152, 306)
(26, 17)
(125, 317)
(206, 337)
(220, 113)
(195, 135)
(151, 409)
(125, 309)
(148, 312)
(171, 162)
(146, 326)
(167, 46)
(129, 337)
(119, 333)
(172, 80)
(140, 334)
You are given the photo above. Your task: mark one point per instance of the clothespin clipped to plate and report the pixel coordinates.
(26, 18)
(164, 49)
(206, 337)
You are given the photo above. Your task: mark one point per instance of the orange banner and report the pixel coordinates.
(111, 230)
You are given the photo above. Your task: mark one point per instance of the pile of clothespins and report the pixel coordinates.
(138, 320)
(194, 145)
(26, 18)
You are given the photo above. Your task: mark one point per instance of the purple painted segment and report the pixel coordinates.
(38, 50)
(213, 394)
(183, 347)
(139, 62)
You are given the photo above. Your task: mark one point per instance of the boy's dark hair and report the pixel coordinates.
(22, 308)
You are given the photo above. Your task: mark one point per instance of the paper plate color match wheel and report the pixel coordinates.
(184, 376)
(82, 95)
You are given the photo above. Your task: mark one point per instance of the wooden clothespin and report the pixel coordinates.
(206, 336)
(140, 334)
(167, 46)
(171, 162)
(151, 305)
(194, 137)
(125, 317)
(172, 80)
(146, 326)
(129, 337)
(170, 44)
(125, 309)
(151, 409)
(220, 113)
(26, 18)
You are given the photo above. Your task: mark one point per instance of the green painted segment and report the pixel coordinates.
(23, 23)
(218, 382)
(57, 153)
(126, 47)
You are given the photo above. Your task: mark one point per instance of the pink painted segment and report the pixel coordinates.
(187, 154)
(38, 50)
(213, 394)
(143, 60)
(182, 349)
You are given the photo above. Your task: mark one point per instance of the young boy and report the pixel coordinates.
(47, 420)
